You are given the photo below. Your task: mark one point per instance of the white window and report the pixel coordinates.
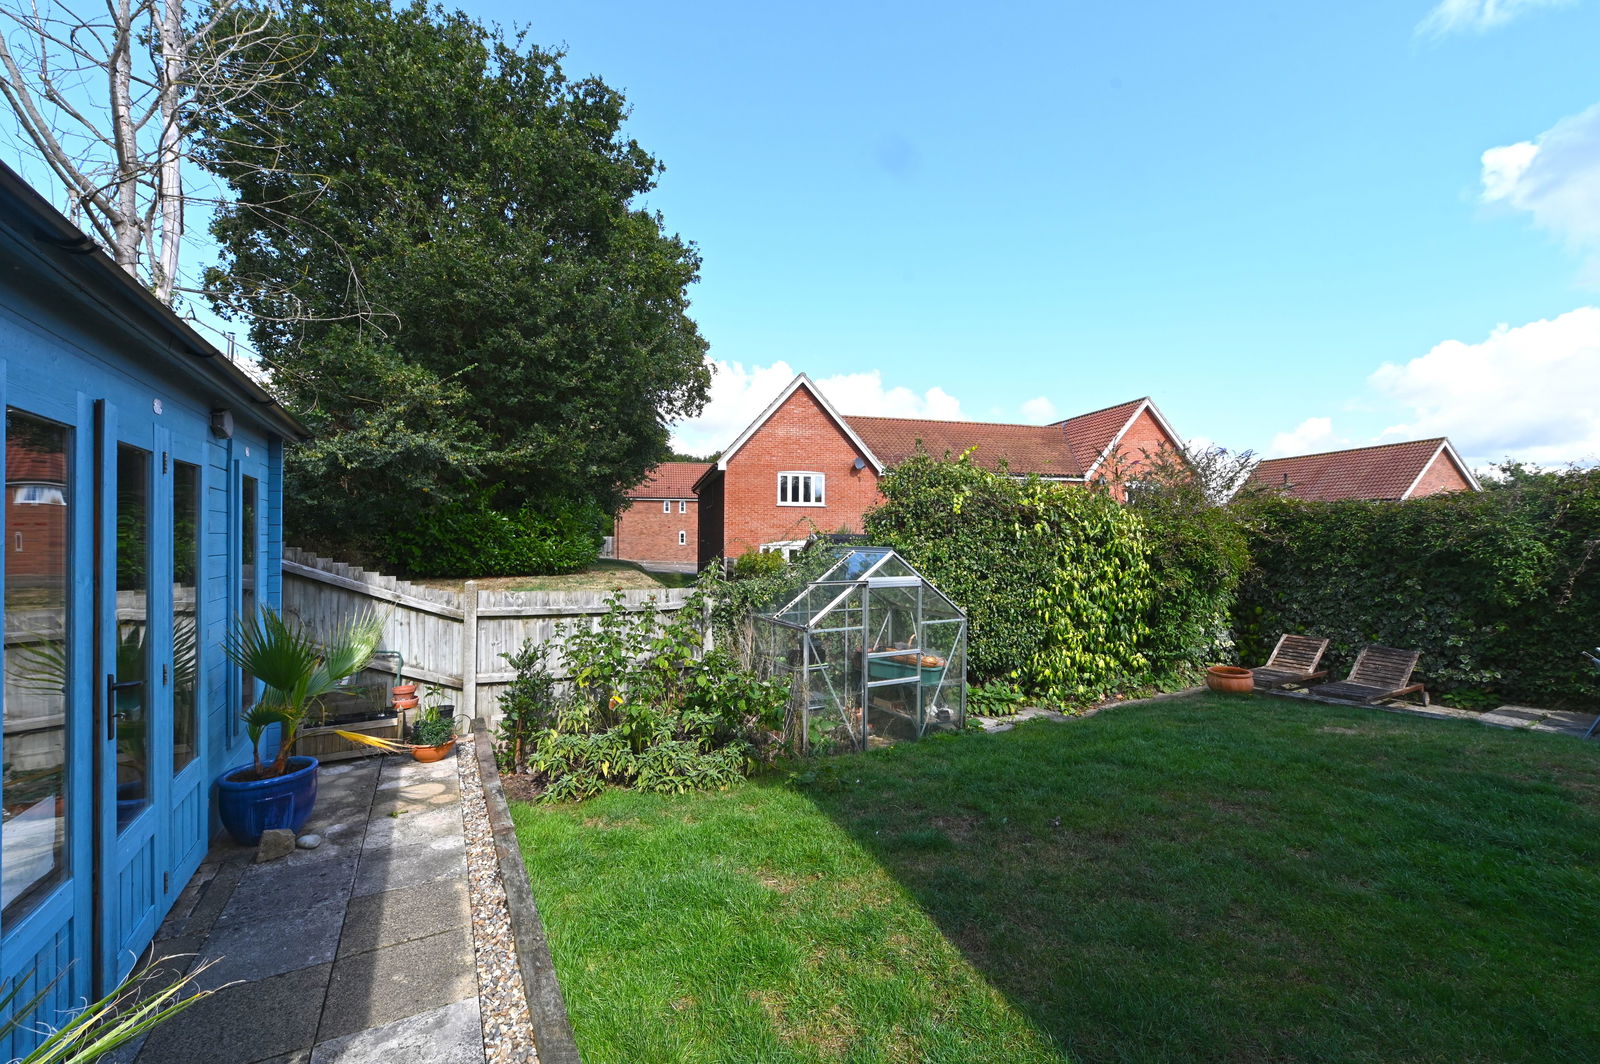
(40, 495)
(800, 489)
(666, 506)
(683, 538)
(786, 547)
(683, 506)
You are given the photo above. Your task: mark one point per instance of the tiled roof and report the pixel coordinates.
(1383, 472)
(1041, 449)
(670, 480)
(1090, 434)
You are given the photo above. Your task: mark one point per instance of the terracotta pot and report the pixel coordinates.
(405, 690)
(427, 754)
(1230, 680)
(405, 703)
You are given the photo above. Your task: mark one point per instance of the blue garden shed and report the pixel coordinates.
(143, 502)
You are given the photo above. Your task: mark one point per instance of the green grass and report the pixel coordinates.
(1200, 879)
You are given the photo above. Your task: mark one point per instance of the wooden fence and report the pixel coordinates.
(451, 640)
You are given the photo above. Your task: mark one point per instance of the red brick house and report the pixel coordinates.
(662, 518)
(801, 467)
(1390, 472)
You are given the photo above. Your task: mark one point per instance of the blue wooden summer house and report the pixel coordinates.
(143, 503)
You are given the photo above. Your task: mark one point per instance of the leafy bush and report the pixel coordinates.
(1054, 579)
(754, 564)
(995, 699)
(644, 709)
(474, 538)
(1499, 590)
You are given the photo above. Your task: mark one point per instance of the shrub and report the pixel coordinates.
(755, 564)
(1054, 579)
(474, 538)
(1499, 590)
(644, 709)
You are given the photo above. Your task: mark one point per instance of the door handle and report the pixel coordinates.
(112, 688)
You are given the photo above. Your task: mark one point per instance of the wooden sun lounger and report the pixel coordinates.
(1294, 660)
(1379, 673)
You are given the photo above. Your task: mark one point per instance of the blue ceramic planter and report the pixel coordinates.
(250, 807)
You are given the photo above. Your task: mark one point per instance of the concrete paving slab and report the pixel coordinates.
(404, 828)
(374, 988)
(451, 1034)
(412, 863)
(244, 1024)
(394, 916)
(265, 891)
(298, 937)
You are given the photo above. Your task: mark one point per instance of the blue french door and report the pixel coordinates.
(133, 649)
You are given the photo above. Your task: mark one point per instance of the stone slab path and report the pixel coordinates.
(357, 952)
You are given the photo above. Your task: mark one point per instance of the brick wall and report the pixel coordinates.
(1144, 436)
(645, 534)
(798, 437)
(1442, 475)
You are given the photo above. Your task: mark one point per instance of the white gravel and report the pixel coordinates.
(507, 1028)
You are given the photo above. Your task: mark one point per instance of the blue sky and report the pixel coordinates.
(1297, 226)
(1245, 210)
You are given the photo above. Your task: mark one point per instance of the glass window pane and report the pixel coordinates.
(185, 580)
(247, 581)
(33, 839)
(133, 612)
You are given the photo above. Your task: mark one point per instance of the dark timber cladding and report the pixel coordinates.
(128, 439)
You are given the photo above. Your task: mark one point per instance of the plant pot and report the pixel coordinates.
(404, 690)
(405, 703)
(430, 754)
(250, 807)
(1230, 680)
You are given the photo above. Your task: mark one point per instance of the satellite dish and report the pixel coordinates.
(861, 463)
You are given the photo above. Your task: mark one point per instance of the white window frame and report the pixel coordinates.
(683, 538)
(40, 494)
(683, 506)
(666, 506)
(815, 485)
(786, 547)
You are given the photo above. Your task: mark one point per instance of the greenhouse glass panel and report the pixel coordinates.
(872, 652)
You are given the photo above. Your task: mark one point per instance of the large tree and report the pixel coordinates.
(447, 271)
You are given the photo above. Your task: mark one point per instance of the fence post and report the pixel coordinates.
(469, 647)
(705, 622)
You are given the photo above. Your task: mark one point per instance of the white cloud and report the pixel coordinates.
(1554, 178)
(1531, 392)
(1311, 436)
(740, 394)
(1480, 15)
(1040, 411)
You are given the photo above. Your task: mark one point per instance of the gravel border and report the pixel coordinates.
(507, 1027)
(523, 943)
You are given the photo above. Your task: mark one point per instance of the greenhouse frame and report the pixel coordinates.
(873, 652)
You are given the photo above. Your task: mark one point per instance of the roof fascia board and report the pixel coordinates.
(1447, 450)
(800, 380)
(1111, 448)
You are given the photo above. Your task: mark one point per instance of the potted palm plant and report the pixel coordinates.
(296, 671)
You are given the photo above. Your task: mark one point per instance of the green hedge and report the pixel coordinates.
(473, 538)
(1499, 590)
(1068, 593)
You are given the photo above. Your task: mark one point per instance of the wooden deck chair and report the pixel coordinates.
(1379, 673)
(1294, 660)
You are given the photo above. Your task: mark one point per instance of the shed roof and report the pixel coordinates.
(1387, 471)
(670, 480)
(36, 234)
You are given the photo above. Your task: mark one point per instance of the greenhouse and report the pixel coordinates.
(874, 653)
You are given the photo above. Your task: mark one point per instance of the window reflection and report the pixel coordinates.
(33, 794)
(131, 697)
(185, 567)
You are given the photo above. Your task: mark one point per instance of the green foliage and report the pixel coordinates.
(995, 699)
(295, 671)
(471, 538)
(754, 564)
(645, 709)
(129, 1012)
(445, 265)
(433, 729)
(1498, 590)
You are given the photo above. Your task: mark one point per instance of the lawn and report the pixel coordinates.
(1207, 878)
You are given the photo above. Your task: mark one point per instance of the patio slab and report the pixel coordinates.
(359, 950)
